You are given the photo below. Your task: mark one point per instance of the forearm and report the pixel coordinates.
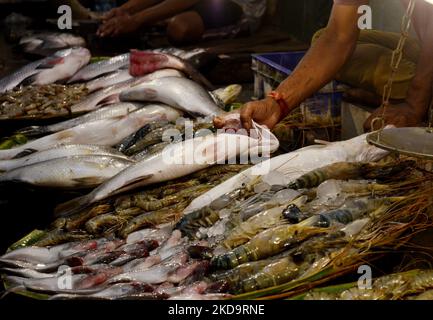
(163, 10)
(134, 6)
(325, 58)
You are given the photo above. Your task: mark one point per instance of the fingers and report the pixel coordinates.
(247, 116)
(107, 29)
(219, 122)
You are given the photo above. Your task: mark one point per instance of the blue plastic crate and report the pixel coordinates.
(271, 69)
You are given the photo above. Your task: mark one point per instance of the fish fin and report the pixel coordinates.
(109, 100)
(151, 93)
(197, 76)
(138, 182)
(72, 206)
(24, 153)
(51, 63)
(88, 181)
(33, 131)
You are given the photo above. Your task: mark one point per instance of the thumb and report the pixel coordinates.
(219, 122)
(246, 116)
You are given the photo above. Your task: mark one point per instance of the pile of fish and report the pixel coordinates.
(282, 220)
(164, 212)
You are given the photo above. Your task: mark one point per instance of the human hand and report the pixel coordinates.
(400, 115)
(122, 23)
(265, 112)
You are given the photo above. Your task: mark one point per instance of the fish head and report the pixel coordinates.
(359, 150)
(81, 54)
(145, 62)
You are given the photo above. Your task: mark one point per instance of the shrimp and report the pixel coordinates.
(347, 171)
(104, 222)
(151, 219)
(276, 273)
(56, 237)
(266, 244)
(256, 224)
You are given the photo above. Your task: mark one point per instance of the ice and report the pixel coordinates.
(262, 187)
(274, 178)
(284, 196)
(329, 189)
(355, 227)
(224, 213)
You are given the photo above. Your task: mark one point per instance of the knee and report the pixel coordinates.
(185, 28)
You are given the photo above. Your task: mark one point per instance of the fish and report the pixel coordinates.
(106, 132)
(105, 96)
(144, 62)
(111, 111)
(294, 164)
(46, 42)
(68, 63)
(76, 172)
(60, 151)
(96, 69)
(227, 95)
(123, 75)
(11, 81)
(108, 80)
(177, 160)
(180, 93)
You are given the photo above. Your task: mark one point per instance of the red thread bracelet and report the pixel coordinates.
(284, 108)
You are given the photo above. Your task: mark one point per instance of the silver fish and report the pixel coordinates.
(144, 62)
(106, 132)
(68, 63)
(45, 43)
(60, 151)
(123, 75)
(174, 162)
(68, 172)
(108, 95)
(108, 80)
(108, 112)
(180, 93)
(101, 67)
(9, 82)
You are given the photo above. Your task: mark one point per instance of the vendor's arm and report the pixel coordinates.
(125, 22)
(322, 62)
(163, 10)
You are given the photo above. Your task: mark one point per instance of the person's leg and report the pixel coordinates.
(218, 13)
(185, 28)
(189, 27)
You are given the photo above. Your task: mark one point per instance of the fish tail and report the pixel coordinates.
(73, 206)
(33, 131)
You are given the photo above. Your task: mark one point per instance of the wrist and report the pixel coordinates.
(279, 103)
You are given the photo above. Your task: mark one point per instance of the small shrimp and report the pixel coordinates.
(266, 244)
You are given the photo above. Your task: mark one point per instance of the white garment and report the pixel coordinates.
(253, 11)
